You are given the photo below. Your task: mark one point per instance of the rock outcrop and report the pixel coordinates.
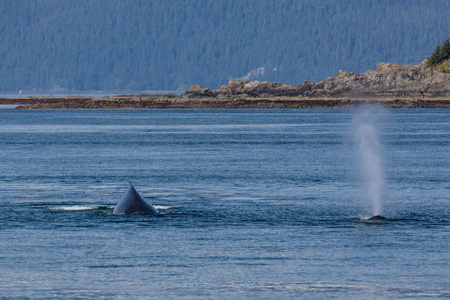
(390, 85)
(388, 80)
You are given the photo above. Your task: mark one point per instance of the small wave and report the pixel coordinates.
(166, 207)
(80, 207)
(96, 207)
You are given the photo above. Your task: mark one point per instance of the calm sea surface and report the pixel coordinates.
(254, 204)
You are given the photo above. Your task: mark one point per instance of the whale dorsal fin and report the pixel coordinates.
(133, 203)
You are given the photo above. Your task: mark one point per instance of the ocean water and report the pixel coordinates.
(255, 204)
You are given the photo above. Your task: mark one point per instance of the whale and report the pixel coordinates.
(133, 203)
(377, 217)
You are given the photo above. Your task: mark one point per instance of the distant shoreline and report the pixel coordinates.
(390, 85)
(177, 102)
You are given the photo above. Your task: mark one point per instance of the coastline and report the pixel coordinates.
(178, 102)
(390, 85)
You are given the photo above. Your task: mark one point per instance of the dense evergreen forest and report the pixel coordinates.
(441, 54)
(165, 45)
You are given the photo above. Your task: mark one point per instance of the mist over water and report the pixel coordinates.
(367, 123)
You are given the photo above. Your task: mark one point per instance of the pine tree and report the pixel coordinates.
(440, 54)
(444, 53)
(434, 58)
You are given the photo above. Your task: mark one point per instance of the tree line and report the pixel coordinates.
(441, 53)
(165, 45)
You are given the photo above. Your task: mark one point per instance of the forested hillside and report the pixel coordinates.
(165, 45)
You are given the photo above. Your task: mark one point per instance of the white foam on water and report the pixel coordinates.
(95, 207)
(79, 207)
(166, 207)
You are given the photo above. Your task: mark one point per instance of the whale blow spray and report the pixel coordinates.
(369, 149)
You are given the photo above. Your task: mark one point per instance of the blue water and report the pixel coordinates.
(254, 204)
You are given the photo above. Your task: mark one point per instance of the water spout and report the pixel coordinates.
(367, 140)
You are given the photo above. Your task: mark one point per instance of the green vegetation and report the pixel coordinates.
(165, 45)
(441, 56)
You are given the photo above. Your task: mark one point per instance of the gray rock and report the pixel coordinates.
(388, 80)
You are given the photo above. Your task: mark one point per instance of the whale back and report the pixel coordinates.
(133, 203)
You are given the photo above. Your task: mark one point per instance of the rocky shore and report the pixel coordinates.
(128, 102)
(390, 85)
